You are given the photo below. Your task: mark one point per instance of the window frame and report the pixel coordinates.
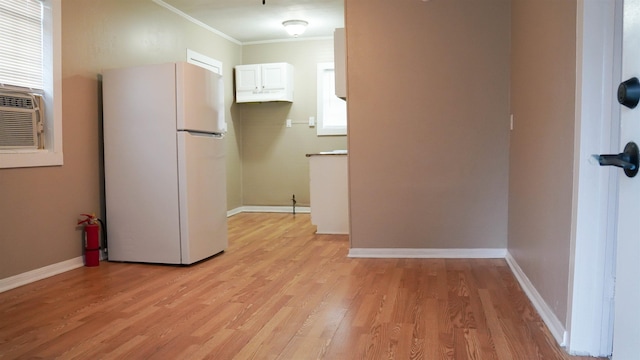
(321, 128)
(211, 64)
(52, 154)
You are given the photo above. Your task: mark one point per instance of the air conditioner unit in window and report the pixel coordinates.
(21, 123)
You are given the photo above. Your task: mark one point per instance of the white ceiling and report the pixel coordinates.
(251, 21)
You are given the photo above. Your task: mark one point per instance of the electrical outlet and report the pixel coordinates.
(312, 121)
(288, 122)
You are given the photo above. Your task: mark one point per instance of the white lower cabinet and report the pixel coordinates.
(329, 193)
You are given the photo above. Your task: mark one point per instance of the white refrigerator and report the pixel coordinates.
(164, 159)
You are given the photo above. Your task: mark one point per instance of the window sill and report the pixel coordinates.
(331, 132)
(29, 158)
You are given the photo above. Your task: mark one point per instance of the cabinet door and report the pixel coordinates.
(274, 76)
(340, 61)
(248, 77)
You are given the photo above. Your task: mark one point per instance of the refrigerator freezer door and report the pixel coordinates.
(203, 195)
(141, 171)
(200, 99)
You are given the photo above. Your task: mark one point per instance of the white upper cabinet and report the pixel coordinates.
(264, 82)
(340, 62)
(247, 78)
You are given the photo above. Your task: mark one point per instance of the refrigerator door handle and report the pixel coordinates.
(203, 134)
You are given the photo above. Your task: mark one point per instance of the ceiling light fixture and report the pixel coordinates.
(295, 27)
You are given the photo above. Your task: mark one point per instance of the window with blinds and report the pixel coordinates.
(21, 39)
(30, 83)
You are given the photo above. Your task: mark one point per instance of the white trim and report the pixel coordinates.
(332, 232)
(235, 211)
(402, 253)
(195, 21)
(41, 273)
(550, 319)
(591, 270)
(211, 64)
(269, 209)
(276, 209)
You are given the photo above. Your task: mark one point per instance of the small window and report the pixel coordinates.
(31, 65)
(332, 111)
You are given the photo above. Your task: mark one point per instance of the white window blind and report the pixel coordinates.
(21, 43)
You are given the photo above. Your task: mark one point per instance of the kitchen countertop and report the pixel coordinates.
(333, 152)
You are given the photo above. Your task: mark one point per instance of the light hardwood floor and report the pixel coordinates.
(278, 292)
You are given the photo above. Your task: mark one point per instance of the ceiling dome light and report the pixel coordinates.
(295, 27)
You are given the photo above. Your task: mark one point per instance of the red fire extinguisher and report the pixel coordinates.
(91, 239)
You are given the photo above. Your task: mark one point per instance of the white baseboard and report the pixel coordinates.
(41, 273)
(330, 232)
(550, 319)
(428, 253)
(235, 211)
(269, 209)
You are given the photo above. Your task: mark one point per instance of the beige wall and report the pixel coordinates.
(39, 206)
(429, 139)
(428, 123)
(542, 144)
(274, 162)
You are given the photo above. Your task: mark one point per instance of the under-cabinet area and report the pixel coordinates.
(329, 192)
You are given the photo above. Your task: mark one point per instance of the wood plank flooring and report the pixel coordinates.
(279, 292)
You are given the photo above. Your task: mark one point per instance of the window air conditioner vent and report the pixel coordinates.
(16, 101)
(20, 121)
